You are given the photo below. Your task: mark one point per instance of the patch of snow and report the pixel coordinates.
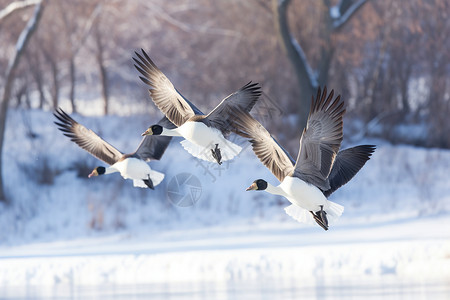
(334, 12)
(103, 230)
(394, 250)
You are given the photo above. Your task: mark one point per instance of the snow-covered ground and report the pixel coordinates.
(412, 249)
(80, 232)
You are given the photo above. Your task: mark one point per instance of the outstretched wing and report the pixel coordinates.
(244, 98)
(348, 162)
(321, 140)
(162, 91)
(266, 148)
(86, 138)
(152, 147)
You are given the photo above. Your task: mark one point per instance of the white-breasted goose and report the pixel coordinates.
(204, 135)
(320, 168)
(131, 166)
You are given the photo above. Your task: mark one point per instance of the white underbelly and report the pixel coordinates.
(200, 134)
(133, 168)
(303, 194)
(201, 139)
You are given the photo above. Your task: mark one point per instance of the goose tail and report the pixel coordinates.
(299, 214)
(334, 211)
(156, 177)
(228, 150)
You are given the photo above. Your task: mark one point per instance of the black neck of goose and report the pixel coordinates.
(101, 170)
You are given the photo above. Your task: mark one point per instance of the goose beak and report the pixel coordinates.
(147, 132)
(252, 187)
(93, 173)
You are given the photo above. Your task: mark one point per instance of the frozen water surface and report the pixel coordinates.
(379, 289)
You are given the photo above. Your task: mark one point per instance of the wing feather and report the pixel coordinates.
(86, 138)
(266, 148)
(162, 91)
(348, 162)
(152, 147)
(244, 98)
(321, 139)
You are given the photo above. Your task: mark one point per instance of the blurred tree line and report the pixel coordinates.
(389, 59)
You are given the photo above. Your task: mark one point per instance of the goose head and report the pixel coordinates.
(153, 130)
(97, 171)
(258, 185)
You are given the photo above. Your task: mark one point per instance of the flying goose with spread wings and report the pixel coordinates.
(131, 166)
(204, 135)
(320, 168)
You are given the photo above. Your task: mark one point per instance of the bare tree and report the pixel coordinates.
(335, 17)
(34, 64)
(437, 59)
(77, 32)
(15, 6)
(13, 63)
(52, 51)
(101, 67)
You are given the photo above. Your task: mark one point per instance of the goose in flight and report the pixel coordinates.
(320, 168)
(131, 166)
(204, 135)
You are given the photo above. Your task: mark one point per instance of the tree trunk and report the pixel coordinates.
(438, 108)
(102, 70)
(72, 84)
(104, 80)
(19, 94)
(55, 87)
(38, 78)
(327, 47)
(307, 79)
(20, 48)
(294, 53)
(405, 75)
(54, 92)
(75, 44)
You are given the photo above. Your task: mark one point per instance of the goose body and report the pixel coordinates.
(311, 197)
(305, 198)
(204, 134)
(130, 166)
(320, 168)
(137, 170)
(200, 134)
(199, 138)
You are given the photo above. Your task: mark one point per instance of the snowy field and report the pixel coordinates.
(380, 259)
(77, 238)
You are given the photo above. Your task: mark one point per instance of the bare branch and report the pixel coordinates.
(344, 17)
(307, 80)
(311, 74)
(12, 7)
(190, 28)
(369, 126)
(87, 27)
(20, 48)
(24, 38)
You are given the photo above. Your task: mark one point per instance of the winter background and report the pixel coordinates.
(64, 236)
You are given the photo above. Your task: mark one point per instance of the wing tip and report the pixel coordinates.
(324, 102)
